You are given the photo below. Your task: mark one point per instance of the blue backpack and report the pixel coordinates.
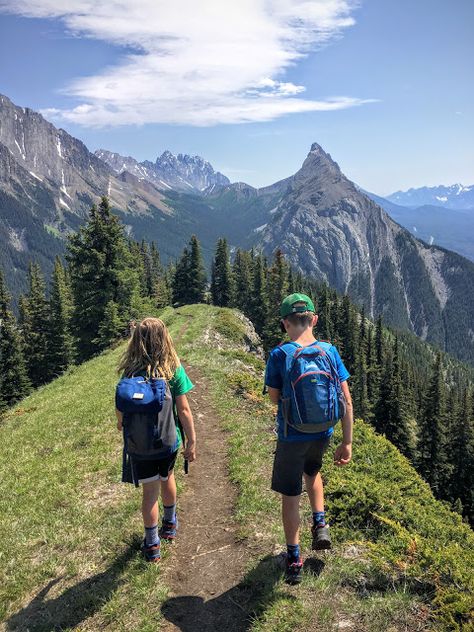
(312, 399)
(149, 427)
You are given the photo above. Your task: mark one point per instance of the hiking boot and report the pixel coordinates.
(151, 553)
(321, 537)
(168, 529)
(293, 571)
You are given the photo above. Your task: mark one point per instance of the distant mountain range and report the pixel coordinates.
(450, 228)
(179, 173)
(324, 224)
(456, 196)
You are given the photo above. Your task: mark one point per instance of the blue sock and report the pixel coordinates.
(151, 536)
(169, 513)
(319, 519)
(293, 551)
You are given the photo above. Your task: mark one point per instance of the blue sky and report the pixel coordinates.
(385, 86)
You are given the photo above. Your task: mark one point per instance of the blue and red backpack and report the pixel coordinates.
(311, 399)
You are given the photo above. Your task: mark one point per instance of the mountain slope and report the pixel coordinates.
(71, 532)
(329, 229)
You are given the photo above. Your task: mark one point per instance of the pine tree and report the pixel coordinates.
(258, 305)
(197, 274)
(221, 279)
(111, 326)
(347, 333)
(397, 429)
(14, 382)
(462, 457)
(102, 270)
(433, 463)
(60, 348)
(35, 322)
(181, 279)
(323, 307)
(277, 290)
(242, 275)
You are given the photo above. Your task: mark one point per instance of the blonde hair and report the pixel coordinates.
(150, 349)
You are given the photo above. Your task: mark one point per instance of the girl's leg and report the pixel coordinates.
(168, 490)
(150, 504)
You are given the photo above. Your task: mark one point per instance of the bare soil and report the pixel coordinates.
(207, 562)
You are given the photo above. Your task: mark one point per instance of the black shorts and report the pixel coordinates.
(156, 470)
(292, 459)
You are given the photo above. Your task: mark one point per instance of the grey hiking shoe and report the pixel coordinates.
(321, 538)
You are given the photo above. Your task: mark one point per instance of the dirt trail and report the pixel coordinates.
(207, 562)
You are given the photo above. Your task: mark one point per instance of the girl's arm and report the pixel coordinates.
(119, 420)
(186, 418)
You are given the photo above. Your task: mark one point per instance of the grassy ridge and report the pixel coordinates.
(400, 555)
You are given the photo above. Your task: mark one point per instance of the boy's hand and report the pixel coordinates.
(190, 451)
(343, 454)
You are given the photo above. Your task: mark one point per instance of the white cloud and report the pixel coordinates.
(197, 63)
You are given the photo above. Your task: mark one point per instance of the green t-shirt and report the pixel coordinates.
(180, 384)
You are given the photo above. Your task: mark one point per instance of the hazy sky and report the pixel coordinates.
(385, 86)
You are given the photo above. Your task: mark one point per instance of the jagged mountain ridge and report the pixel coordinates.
(455, 196)
(168, 172)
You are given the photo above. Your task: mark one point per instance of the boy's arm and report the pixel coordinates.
(119, 420)
(186, 418)
(343, 453)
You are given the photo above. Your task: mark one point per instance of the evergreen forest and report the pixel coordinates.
(420, 398)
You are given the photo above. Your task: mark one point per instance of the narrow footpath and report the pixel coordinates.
(207, 562)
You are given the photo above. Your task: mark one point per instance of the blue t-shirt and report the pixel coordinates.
(274, 375)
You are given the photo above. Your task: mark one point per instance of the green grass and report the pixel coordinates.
(402, 561)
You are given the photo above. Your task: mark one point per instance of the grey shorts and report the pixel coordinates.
(292, 459)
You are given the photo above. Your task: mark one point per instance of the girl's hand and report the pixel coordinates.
(190, 451)
(343, 454)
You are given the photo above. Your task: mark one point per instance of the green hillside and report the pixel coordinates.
(70, 531)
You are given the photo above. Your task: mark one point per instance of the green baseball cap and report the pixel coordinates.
(288, 306)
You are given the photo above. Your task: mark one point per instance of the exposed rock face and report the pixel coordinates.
(332, 231)
(180, 173)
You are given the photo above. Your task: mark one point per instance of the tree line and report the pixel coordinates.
(420, 399)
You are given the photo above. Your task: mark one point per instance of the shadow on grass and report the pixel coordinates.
(238, 608)
(75, 604)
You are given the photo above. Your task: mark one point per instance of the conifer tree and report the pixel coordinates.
(258, 305)
(462, 457)
(242, 275)
(347, 333)
(111, 326)
(197, 274)
(102, 270)
(60, 348)
(181, 279)
(221, 279)
(277, 290)
(432, 446)
(34, 313)
(397, 429)
(323, 308)
(14, 382)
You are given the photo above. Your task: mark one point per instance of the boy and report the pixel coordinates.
(300, 454)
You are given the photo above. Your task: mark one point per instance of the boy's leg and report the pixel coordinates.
(290, 510)
(315, 491)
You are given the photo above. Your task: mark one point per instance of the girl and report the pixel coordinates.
(150, 352)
